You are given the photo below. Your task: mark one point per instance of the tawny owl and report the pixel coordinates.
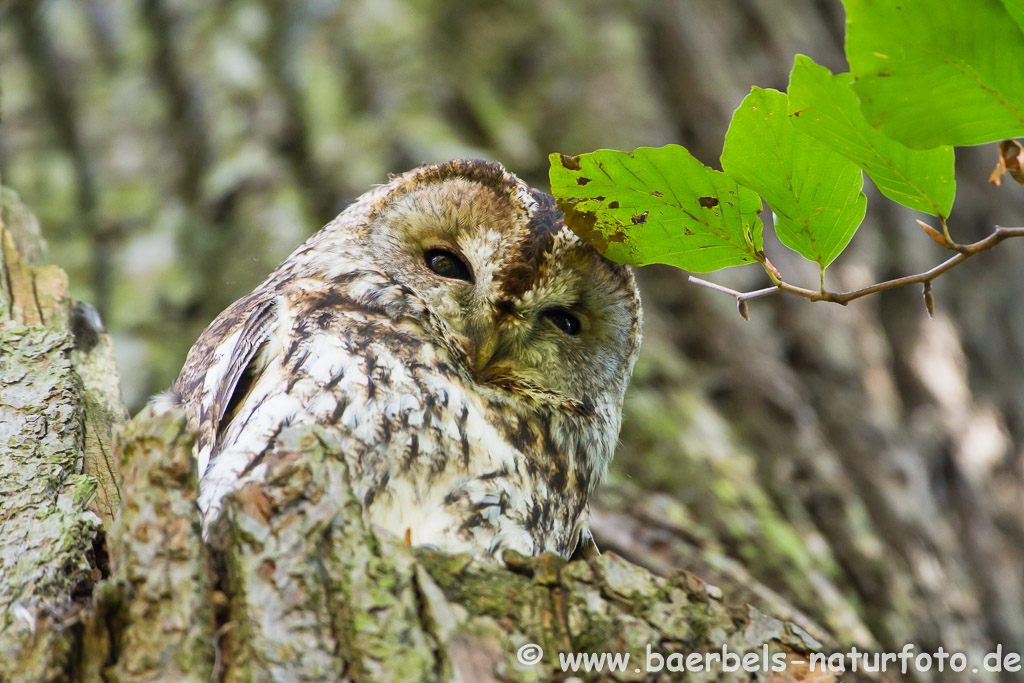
(470, 351)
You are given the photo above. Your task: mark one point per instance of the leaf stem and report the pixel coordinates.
(945, 233)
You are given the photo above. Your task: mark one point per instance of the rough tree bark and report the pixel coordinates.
(104, 574)
(857, 471)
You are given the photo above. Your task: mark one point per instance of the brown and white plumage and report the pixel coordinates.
(477, 403)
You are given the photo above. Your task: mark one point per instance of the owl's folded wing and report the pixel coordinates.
(212, 397)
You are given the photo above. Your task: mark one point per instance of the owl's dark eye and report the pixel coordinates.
(563, 320)
(447, 264)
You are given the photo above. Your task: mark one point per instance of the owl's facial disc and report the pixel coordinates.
(525, 305)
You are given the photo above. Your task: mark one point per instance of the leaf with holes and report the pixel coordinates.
(825, 107)
(658, 205)
(814, 192)
(938, 73)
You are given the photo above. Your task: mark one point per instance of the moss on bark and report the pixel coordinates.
(105, 574)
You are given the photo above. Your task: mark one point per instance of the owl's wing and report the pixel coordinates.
(217, 377)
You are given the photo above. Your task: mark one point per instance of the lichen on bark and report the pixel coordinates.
(48, 532)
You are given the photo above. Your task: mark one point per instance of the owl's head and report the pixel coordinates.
(529, 311)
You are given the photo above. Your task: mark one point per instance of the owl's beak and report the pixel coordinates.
(486, 344)
(488, 334)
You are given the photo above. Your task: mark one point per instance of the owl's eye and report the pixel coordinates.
(563, 320)
(447, 264)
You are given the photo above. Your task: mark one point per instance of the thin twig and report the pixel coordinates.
(964, 252)
(740, 296)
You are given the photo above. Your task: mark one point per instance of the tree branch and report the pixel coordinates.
(964, 252)
(295, 583)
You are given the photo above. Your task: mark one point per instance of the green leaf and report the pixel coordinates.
(1016, 10)
(826, 108)
(813, 191)
(658, 205)
(930, 73)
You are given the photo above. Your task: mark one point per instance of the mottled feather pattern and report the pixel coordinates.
(467, 420)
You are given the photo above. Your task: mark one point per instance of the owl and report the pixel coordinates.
(468, 351)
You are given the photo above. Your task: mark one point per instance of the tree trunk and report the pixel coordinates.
(855, 471)
(104, 574)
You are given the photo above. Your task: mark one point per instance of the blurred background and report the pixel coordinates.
(858, 469)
